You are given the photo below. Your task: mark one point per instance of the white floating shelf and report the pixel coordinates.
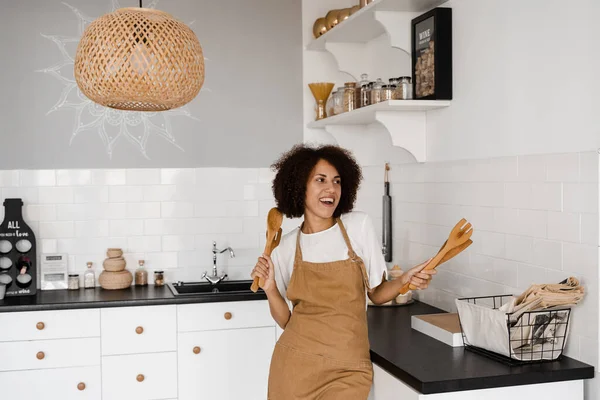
(363, 26)
(368, 115)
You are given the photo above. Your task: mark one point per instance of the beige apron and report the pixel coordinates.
(323, 353)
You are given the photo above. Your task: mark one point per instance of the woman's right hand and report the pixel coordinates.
(265, 269)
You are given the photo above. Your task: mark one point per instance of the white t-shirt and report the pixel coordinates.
(329, 245)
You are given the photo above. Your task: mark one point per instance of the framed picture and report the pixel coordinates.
(431, 35)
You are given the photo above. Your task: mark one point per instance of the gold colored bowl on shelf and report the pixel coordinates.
(320, 27)
(332, 18)
(343, 15)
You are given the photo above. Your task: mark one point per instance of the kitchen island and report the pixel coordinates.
(133, 328)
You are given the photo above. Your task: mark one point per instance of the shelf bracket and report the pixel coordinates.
(408, 131)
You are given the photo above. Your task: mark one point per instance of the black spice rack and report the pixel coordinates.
(18, 260)
(533, 337)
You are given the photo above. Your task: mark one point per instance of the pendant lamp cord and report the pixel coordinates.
(141, 4)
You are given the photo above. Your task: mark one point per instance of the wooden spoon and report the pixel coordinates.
(460, 234)
(274, 220)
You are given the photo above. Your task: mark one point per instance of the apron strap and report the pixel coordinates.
(298, 256)
(353, 255)
(351, 252)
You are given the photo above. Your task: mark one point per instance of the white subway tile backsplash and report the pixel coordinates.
(126, 194)
(160, 193)
(143, 176)
(562, 167)
(143, 244)
(173, 209)
(28, 195)
(581, 259)
(90, 194)
(126, 227)
(546, 196)
(37, 178)
(108, 177)
(178, 243)
(178, 176)
(48, 246)
(73, 177)
(505, 272)
(55, 195)
(39, 212)
(143, 210)
(518, 195)
(160, 261)
(489, 243)
(57, 229)
(589, 229)
(532, 168)
(588, 167)
(581, 197)
(529, 275)
(547, 254)
(519, 248)
(563, 226)
(9, 178)
(95, 228)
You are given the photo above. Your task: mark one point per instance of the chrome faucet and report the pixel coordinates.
(215, 278)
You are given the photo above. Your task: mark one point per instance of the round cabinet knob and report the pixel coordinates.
(40, 355)
(139, 330)
(140, 378)
(196, 350)
(228, 315)
(81, 386)
(40, 326)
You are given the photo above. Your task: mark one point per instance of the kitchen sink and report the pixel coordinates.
(208, 289)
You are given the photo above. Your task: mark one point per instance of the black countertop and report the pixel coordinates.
(427, 365)
(98, 297)
(430, 366)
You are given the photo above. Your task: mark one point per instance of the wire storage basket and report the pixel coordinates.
(514, 338)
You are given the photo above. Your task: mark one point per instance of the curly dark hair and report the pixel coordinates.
(293, 170)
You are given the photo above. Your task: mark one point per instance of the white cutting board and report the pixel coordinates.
(444, 327)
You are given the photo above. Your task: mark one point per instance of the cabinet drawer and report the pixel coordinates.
(140, 376)
(42, 354)
(63, 383)
(226, 315)
(132, 330)
(41, 325)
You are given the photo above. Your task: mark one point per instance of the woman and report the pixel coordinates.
(325, 268)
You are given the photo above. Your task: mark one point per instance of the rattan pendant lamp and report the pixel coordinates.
(139, 59)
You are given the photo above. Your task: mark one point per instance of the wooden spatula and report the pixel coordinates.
(460, 234)
(274, 220)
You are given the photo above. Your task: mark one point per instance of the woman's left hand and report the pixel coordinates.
(418, 277)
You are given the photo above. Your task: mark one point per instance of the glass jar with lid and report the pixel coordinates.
(404, 88)
(159, 278)
(338, 101)
(364, 81)
(387, 92)
(349, 102)
(376, 91)
(394, 86)
(89, 277)
(141, 275)
(329, 104)
(73, 282)
(365, 94)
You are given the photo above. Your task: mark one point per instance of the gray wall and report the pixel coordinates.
(249, 111)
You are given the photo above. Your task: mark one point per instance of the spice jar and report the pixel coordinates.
(364, 81)
(349, 96)
(159, 278)
(387, 92)
(141, 275)
(73, 282)
(365, 95)
(404, 88)
(394, 86)
(89, 277)
(329, 104)
(376, 91)
(338, 102)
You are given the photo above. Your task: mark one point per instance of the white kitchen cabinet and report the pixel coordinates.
(63, 383)
(41, 325)
(133, 330)
(225, 364)
(226, 315)
(43, 354)
(139, 376)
